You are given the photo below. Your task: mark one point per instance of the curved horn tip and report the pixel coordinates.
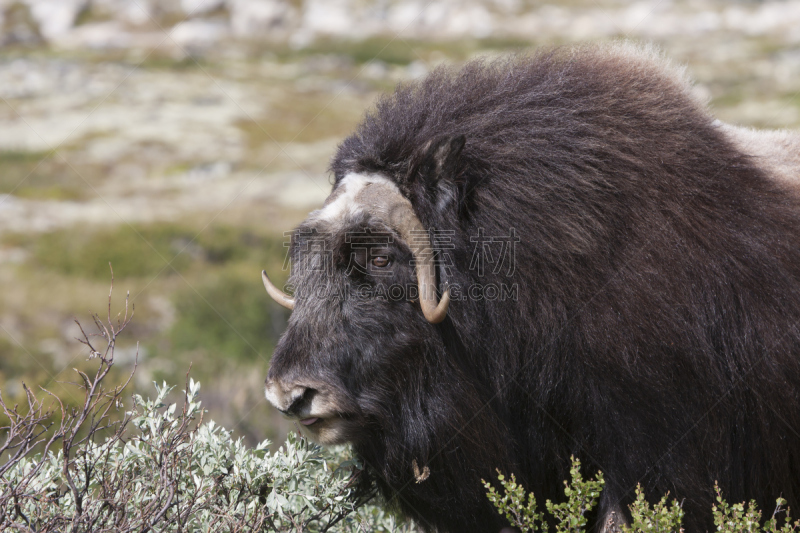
(275, 293)
(439, 313)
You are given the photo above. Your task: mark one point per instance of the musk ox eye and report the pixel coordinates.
(381, 261)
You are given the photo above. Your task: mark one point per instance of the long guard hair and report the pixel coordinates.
(655, 333)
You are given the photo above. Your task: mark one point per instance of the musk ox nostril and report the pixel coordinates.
(288, 398)
(301, 396)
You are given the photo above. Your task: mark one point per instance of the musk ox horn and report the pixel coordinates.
(434, 311)
(277, 294)
(395, 209)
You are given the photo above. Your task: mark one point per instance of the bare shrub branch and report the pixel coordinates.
(154, 467)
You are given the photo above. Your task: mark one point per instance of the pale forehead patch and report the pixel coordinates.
(344, 201)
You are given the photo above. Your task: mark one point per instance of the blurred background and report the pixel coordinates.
(180, 139)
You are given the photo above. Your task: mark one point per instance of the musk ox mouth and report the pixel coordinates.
(328, 430)
(324, 415)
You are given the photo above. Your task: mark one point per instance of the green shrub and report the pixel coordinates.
(227, 316)
(135, 251)
(519, 511)
(662, 517)
(402, 51)
(519, 508)
(147, 250)
(582, 496)
(393, 51)
(735, 518)
(176, 472)
(44, 176)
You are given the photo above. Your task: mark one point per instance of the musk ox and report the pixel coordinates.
(537, 257)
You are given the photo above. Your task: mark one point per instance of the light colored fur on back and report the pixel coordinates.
(776, 151)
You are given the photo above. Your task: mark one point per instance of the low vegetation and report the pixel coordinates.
(520, 508)
(199, 301)
(43, 176)
(132, 464)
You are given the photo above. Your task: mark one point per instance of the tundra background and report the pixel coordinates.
(179, 140)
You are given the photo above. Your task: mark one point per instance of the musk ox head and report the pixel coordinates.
(365, 304)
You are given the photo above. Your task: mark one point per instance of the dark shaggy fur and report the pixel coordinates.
(655, 335)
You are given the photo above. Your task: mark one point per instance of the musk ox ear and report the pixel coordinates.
(440, 159)
(437, 170)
